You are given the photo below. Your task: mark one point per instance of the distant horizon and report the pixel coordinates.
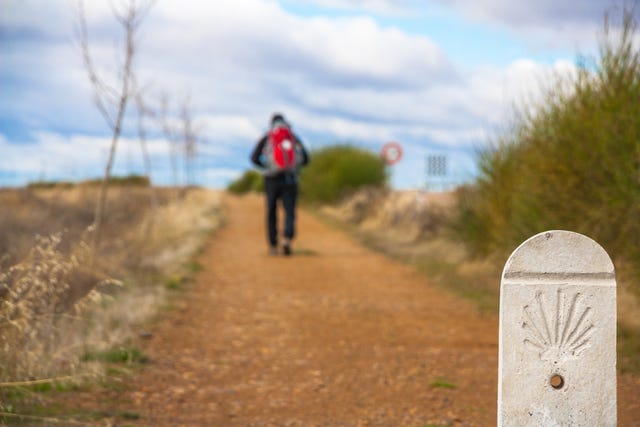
(436, 187)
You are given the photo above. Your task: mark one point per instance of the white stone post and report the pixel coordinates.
(557, 345)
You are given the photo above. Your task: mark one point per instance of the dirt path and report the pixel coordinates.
(336, 335)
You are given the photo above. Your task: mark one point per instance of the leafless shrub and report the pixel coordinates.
(112, 99)
(183, 135)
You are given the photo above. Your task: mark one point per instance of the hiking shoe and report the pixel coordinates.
(273, 250)
(287, 249)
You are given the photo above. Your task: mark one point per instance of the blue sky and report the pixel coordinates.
(439, 77)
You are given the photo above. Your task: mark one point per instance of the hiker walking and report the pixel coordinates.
(280, 154)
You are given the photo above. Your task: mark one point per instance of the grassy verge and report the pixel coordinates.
(55, 403)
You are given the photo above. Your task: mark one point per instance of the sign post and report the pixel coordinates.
(391, 153)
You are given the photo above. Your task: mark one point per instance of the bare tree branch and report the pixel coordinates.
(129, 16)
(145, 111)
(189, 140)
(100, 88)
(170, 134)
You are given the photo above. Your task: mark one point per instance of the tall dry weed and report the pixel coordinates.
(35, 310)
(61, 299)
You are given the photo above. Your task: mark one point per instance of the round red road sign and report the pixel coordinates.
(391, 153)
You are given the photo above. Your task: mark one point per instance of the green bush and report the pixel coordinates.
(35, 185)
(335, 170)
(123, 181)
(574, 163)
(250, 180)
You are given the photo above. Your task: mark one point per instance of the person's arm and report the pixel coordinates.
(305, 155)
(257, 152)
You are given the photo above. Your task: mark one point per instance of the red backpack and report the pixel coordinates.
(282, 150)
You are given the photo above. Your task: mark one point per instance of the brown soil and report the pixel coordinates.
(336, 335)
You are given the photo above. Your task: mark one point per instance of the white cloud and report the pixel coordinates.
(449, 113)
(25, 18)
(50, 154)
(360, 51)
(220, 175)
(223, 127)
(547, 13)
(544, 24)
(382, 7)
(72, 157)
(349, 65)
(548, 24)
(257, 43)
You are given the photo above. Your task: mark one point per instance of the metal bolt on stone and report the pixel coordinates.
(557, 345)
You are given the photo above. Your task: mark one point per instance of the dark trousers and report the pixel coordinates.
(284, 188)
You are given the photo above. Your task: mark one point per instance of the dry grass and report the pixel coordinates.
(407, 217)
(59, 299)
(35, 312)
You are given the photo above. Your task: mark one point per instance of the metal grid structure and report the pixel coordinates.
(436, 172)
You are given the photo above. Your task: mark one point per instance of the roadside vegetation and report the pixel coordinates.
(338, 170)
(68, 309)
(332, 173)
(572, 162)
(250, 181)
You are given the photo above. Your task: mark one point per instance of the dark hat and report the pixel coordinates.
(277, 117)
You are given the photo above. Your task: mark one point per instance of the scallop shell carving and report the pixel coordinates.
(557, 328)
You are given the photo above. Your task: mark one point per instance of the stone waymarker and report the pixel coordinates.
(557, 362)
